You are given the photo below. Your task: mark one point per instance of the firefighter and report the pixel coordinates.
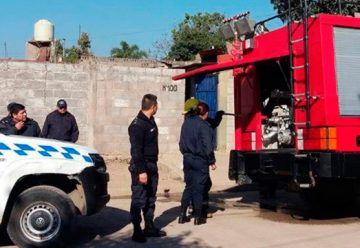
(214, 123)
(190, 107)
(143, 133)
(197, 146)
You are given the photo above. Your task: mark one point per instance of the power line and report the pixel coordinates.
(121, 34)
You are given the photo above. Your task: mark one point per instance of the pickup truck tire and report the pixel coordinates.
(41, 217)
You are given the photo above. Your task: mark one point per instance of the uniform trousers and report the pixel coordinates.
(143, 197)
(196, 174)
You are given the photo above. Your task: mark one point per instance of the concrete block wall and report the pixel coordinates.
(118, 100)
(39, 85)
(103, 96)
(226, 130)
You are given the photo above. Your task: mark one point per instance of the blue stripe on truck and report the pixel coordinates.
(44, 151)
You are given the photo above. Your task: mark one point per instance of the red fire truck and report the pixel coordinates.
(297, 102)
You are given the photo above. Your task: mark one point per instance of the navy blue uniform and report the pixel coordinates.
(214, 123)
(31, 128)
(60, 127)
(197, 146)
(143, 134)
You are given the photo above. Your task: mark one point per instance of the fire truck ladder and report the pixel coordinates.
(304, 67)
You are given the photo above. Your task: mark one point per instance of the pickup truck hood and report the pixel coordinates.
(43, 141)
(12, 146)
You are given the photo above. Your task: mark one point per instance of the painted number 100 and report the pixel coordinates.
(170, 88)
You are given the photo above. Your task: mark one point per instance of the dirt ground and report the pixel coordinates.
(170, 175)
(120, 180)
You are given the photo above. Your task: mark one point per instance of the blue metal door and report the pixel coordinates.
(206, 91)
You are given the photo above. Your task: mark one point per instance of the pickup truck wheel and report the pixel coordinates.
(41, 217)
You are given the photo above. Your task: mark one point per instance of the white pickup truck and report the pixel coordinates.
(44, 184)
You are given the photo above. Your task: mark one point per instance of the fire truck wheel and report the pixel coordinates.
(41, 217)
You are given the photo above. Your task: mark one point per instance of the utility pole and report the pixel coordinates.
(5, 49)
(79, 31)
(63, 45)
(340, 10)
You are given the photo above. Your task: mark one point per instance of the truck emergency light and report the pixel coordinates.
(244, 27)
(239, 24)
(227, 31)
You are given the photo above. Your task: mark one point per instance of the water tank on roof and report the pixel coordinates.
(43, 31)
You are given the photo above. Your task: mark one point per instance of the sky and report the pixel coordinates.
(140, 22)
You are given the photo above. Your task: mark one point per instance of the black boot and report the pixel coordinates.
(138, 235)
(183, 218)
(199, 219)
(205, 211)
(151, 231)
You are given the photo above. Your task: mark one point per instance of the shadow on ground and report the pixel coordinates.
(96, 230)
(285, 206)
(106, 222)
(90, 229)
(4, 238)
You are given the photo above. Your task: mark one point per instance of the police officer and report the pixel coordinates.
(197, 146)
(143, 133)
(61, 124)
(18, 123)
(8, 117)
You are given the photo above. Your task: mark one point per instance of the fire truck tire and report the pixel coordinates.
(41, 217)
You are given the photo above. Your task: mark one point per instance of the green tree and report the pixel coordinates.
(128, 51)
(196, 33)
(84, 44)
(72, 55)
(346, 7)
(58, 49)
(161, 47)
(75, 53)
